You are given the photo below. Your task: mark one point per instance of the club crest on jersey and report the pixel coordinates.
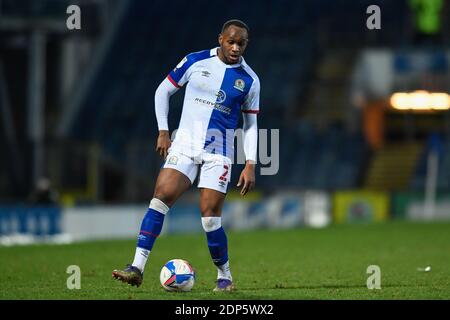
(221, 96)
(239, 84)
(173, 160)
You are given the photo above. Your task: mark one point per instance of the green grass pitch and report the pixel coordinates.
(328, 263)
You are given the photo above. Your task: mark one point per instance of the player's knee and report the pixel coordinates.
(211, 223)
(209, 211)
(164, 196)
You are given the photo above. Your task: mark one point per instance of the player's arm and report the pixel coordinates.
(250, 109)
(247, 177)
(162, 97)
(175, 80)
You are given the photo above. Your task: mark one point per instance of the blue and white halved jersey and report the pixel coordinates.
(216, 94)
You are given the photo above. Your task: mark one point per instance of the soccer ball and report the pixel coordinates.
(177, 275)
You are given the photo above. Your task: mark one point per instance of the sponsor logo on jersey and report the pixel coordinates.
(221, 96)
(239, 84)
(205, 73)
(216, 106)
(173, 160)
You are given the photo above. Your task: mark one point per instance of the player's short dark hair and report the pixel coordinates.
(237, 23)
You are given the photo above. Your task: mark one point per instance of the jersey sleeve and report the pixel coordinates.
(181, 73)
(251, 102)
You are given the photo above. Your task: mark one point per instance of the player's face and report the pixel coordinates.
(233, 42)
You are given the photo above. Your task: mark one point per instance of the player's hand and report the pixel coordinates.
(163, 143)
(247, 178)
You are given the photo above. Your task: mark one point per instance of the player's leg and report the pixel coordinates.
(213, 183)
(170, 185)
(173, 180)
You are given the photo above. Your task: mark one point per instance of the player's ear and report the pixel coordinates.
(220, 38)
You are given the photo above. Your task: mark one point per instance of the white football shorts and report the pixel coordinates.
(215, 169)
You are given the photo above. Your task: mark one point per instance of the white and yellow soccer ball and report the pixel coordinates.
(177, 275)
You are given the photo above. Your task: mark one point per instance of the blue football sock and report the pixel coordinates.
(218, 246)
(150, 229)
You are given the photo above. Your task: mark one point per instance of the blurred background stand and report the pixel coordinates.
(355, 109)
(432, 175)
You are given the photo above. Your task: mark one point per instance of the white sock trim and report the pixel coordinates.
(223, 271)
(211, 223)
(140, 258)
(159, 206)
